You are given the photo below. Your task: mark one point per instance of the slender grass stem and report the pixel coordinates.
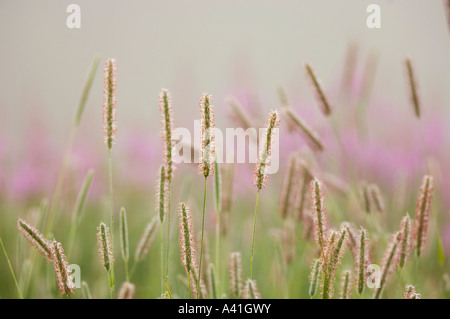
(218, 251)
(162, 260)
(11, 269)
(189, 288)
(168, 229)
(111, 283)
(168, 289)
(253, 236)
(111, 218)
(201, 242)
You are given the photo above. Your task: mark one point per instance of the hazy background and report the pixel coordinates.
(195, 46)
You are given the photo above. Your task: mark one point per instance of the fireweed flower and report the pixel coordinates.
(110, 102)
(207, 124)
(105, 249)
(35, 238)
(165, 107)
(62, 270)
(405, 240)
(235, 274)
(423, 208)
(319, 212)
(265, 151)
(320, 93)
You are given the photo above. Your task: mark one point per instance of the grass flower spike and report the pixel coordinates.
(362, 260)
(167, 127)
(314, 277)
(346, 284)
(320, 93)
(319, 213)
(35, 238)
(423, 208)
(62, 269)
(405, 240)
(235, 274)
(187, 244)
(105, 249)
(388, 264)
(110, 102)
(265, 151)
(251, 290)
(413, 87)
(207, 124)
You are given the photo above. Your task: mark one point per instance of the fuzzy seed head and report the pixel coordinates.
(423, 208)
(405, 240)
(62, 270)
(167, 127)
(235, 274)
(187, 243)
(414, 96)
(346, 284)
(319, 212)
(311, 137)
(265, 151)
(35, 238)
(389, 263)
(207, 124)
(162, 193)
(320, 93)
(314, 277)
(110, 102)
(362, 260)
(105, 249)
(251, 290)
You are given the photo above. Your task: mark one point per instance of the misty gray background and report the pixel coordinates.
(195, 46)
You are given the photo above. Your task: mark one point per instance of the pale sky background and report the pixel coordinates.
(195, 46)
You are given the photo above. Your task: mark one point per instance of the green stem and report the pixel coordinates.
(127, 273)
(111, 217)
(189, 288)
(201, 243)
(253, 237)
(168, 230)
(111, 283)
(11, 269)
(162, 260)
(218, 251)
